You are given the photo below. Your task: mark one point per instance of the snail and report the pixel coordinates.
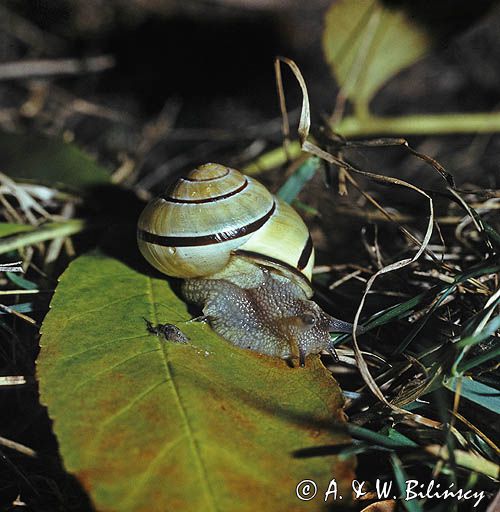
(245, 256)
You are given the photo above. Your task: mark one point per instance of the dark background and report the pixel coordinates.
(193, 81)
(208, 66)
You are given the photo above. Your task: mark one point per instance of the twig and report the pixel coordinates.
(26, 318)
(56, 244)
(345, 278)
(27, 32)
(15, 380)
(18, 447)
(53, 67)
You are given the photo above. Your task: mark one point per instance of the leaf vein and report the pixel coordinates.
(100, 308)
(149, 470)
(190, 434)
(136, 400)
(108, 369)
(100, 431)
(93, 347)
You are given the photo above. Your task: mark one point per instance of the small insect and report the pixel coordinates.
(170, 332)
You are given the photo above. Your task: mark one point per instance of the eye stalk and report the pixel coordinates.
(337, 325)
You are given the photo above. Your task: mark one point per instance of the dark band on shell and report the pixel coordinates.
(213, 238)
(171, 199)
(306, 254)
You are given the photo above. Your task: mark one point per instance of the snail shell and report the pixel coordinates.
(215, 211)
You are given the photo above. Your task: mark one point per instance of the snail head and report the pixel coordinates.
(309, 330)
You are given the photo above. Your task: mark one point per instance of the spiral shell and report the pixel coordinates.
(214, 212)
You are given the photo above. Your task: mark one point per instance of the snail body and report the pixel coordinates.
(246, 258)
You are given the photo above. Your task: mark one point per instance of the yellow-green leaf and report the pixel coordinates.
(149, 424)
(366, 43)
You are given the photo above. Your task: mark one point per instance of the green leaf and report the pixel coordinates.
(488, 355)
(295, 183)
(401, 438)
(403, 309)
(476, 392)
(489, 329)
(402, 479)
(149, 424)
(23, 283)
(7, 229)
(393, 440)
(25, 307)
(366, 43)
(50, 161)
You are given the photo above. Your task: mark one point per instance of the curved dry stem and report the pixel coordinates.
(303, 131)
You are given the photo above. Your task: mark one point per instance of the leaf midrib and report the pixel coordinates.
(202, 470)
